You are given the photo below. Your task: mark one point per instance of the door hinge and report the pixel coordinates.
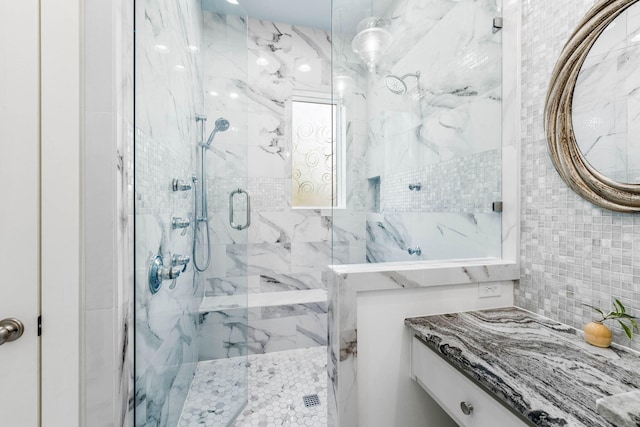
(39, 326)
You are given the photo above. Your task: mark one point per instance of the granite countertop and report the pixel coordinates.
(540, 368)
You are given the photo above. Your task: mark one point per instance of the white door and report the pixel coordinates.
(19, 209)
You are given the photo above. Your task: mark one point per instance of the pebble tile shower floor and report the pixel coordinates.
(277, 384)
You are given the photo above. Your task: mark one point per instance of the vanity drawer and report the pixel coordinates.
(450, 388)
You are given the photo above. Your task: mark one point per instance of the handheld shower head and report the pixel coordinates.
(221, 125)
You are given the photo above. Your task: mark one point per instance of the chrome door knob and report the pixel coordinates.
(10, 330)
(466, 408)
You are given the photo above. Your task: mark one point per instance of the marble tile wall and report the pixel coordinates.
(168, 96)
(284, 249)
(265, 330)
(572, 252)
(444, 132)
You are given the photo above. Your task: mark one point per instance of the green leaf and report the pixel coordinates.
(634, 324)
(628, 316)
(626, 329)
(598, 310)
(619, 304)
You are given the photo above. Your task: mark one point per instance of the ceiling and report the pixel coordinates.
(306, 13)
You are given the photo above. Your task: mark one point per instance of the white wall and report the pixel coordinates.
(107, 223)
(386, 394)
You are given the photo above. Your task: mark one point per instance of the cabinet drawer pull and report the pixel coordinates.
(466, 408)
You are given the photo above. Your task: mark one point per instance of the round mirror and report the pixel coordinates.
(606, 100)
(592, 113)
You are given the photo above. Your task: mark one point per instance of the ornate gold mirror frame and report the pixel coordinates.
(567, 158)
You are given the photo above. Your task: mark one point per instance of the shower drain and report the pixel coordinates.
(311, 400)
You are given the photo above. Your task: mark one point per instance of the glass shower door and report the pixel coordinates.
(191, 222)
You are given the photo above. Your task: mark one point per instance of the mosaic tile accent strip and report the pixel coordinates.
(463, 184)
(277, 384)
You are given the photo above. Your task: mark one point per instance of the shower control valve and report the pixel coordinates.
(180, 185)
(169, 273)
(180, 261)
(415, 187)
(180, 223)
(158, 273)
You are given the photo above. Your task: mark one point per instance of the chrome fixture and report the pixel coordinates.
(415, 251)
(180, 261)
(200, 211)
(177, 222)
(415, 187)
(231, 215)
(497, 24)
(180, 185)
(159, 273)
(221, 125)
(466, 408)
(10, 330)
(397, 84)
(372, 41)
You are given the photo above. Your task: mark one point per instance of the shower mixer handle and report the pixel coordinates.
(415, 187)
(177, 222)
(169, 273)
(415, 251)
(158, 273)
(180, 261)
(180, 185)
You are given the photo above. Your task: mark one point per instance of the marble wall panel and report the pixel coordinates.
(277, 252)
(168, 96)
(438, 235)
(260, 330)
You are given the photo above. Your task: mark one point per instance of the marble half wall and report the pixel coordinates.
(400, 290)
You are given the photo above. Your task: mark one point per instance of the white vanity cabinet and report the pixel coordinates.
(464, 401)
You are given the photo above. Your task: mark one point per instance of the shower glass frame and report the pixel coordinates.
(424, 165)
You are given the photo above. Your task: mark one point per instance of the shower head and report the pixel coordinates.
(221, 125)
(396, 84)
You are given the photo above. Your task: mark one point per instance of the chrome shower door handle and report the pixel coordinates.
(231, 213)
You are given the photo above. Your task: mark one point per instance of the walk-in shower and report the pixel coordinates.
(200, 183)
(241, 337)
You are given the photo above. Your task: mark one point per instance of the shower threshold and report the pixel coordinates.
(277, 383)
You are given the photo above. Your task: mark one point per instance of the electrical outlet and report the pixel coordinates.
(489, 290)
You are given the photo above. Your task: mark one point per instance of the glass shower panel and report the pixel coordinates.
(421, 84)
(190, 155)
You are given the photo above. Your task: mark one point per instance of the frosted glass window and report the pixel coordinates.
(313, 155)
